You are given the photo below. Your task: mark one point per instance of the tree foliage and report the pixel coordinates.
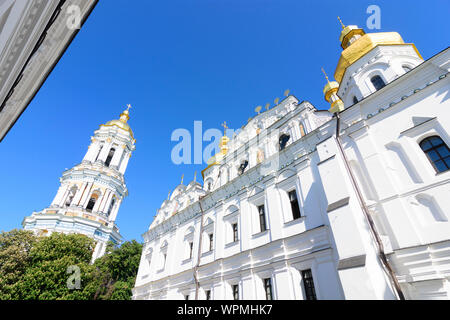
(46, 268)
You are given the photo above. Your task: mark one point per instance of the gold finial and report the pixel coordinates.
(128, 107)
(168, 196)
(325, 75)
(224, 125)
(182, 178)
(195, 176)
(343, 26)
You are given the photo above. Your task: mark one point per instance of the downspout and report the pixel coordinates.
(200, 237)
(386, 265)
(197, 283)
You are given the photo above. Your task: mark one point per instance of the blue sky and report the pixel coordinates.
(177, 62)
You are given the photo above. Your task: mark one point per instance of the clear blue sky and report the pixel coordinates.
(177, 62)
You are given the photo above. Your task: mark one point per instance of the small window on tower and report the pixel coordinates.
(377, 82)
(284, 138)
(92, 202)
(355, 100)
(242, 167)
(71, 196)
(111, 205)
(110, 156)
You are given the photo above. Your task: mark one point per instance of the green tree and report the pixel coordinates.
(46, 268)
(15, 247)
(46, 277)
(117, 270)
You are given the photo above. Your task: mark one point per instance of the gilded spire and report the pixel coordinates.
(326, 74)
(224, 125)
(343, 26)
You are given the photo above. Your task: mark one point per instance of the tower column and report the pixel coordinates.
(104, 207)
(104, 153)
(85, 198)
(92, 151)
(59, 195)
(124, 164)
(107, 202)
(103, 200)
(79, 193)
(115, 210)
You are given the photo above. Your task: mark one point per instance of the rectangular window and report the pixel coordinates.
(236, 292)
(208, 294)
(294, 205)
(235, 232)
(191, 247)
(211, 242)
(262, 218)
(308, 284)
(268, 288)
(186, 297)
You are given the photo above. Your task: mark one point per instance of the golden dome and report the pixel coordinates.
(330, 88)
(121, 122)
(362, 46)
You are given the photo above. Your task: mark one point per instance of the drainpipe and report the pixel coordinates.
(386, 265)
(200, 238)
(197, 283)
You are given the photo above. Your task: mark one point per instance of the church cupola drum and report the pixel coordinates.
(90, 194)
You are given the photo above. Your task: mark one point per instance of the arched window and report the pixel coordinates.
(242, 167)
(71, 196)
(110, 156)
(91, 202)
(302, 130)
(355, 100)
(437, 152)
(111, 205)
(377, 82)
(284, 138)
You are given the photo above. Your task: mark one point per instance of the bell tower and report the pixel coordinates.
(90, 194)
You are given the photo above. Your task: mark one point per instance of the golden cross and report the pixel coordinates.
(128, 106)
(224, 125)
(343, 26)
(182, 178)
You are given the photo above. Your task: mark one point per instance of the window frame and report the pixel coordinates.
(377, 76)
(292, 205)
(235, 231)
(434, 148)
(235, 291)
(309, 287)
(267, 282)
(262, 218)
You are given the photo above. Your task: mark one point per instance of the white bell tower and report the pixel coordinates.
(91, 193)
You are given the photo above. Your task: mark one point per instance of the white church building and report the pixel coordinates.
(350, 203)
(88, 200)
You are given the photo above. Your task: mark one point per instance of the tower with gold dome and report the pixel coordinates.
(90, 194)
(368, 62)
